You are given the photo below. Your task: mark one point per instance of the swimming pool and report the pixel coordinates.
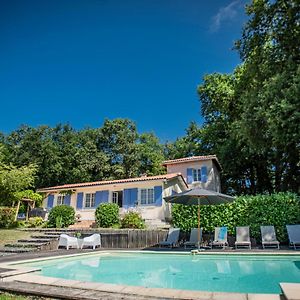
(218, 273)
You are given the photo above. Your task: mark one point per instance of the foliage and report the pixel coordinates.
(7, 217)
(132, 220)
(61, 216)
(32, 222)
(107, 215)
(277, 209)
(29, 194)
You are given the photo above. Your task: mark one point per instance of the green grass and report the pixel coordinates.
(8, 236)
(7, 296)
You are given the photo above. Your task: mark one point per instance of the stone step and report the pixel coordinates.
(50, 236)
(17, 249)
(26, 245)
(35, 240)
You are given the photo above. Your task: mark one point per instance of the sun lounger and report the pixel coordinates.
(242, 237)
(268, 237)
(294, 235)
(172, 238)
(67, 241)
(92, 241)
(220, 239)
(193, 238)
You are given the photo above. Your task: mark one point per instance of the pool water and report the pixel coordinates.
(219, 273)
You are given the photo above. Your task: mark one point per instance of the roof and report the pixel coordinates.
(108, 182)
(193, 158)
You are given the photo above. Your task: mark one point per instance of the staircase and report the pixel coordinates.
(37, 242)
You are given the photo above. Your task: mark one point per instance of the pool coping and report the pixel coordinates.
(25, 274)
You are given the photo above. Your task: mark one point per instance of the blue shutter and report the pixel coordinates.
(67, 200)
(158, 195)
(79, 203)
(204, 174)
(50, 201)
(126, 198)
(98, 198)
(189, 173)
(101, 197)
(130, 197)
(133, 197)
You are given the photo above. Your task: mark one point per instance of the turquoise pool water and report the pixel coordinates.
(224, 273)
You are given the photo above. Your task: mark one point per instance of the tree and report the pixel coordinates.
(118, 140)
(150, 155)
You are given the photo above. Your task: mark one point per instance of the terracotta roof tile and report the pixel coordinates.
(192, 158)
(107, 182)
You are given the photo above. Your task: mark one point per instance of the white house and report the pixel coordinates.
(144, 193)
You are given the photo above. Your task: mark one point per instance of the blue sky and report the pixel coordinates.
(79, 62)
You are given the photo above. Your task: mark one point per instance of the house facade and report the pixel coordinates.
(144, 194)
(197, 171)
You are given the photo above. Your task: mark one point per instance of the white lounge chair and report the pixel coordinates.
(68, 241)
(92, 241)
(268, 236)
(172, 239)
(193, 241)
(294, 235)
(220, 239)
(242, 237)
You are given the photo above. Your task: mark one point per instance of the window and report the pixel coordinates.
(196, 174)
(89, 200)
(147, 196)
(115, 197)
(60, 200)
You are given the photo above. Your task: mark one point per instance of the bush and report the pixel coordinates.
(133, 220)
(107, 215)
(35, 222)
(277, 209)
(64, 213)
(7, 217)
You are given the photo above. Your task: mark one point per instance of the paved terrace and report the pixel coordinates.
(23, 281)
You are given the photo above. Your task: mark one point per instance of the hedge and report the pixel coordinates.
(7, 217)
(277, 209)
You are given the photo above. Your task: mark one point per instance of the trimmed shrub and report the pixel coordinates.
(64, 213)
(107, 215)
(277, 209)
(7, 217)
(132, 220)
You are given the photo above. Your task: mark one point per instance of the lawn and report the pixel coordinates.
(6, 296)
(11, 236)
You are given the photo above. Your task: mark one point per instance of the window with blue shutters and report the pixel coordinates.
(147, 196)
(204, 174)
(50, 201)
(60, 200)
(79, 201)
(196, 175)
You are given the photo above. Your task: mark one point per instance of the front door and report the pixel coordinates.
(117, 197)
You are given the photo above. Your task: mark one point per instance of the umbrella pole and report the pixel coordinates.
(198, 223)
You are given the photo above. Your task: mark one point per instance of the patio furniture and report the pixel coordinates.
(193, 241)
(268, 237)
(92, 241)
(220, 239)
(172, 238)
(242, 237)
(294, 235)
(68, 241)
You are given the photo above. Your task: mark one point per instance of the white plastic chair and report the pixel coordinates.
(172, 239)
(68, 241)
(92, 241)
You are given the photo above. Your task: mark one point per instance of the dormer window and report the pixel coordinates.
(196, 175)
